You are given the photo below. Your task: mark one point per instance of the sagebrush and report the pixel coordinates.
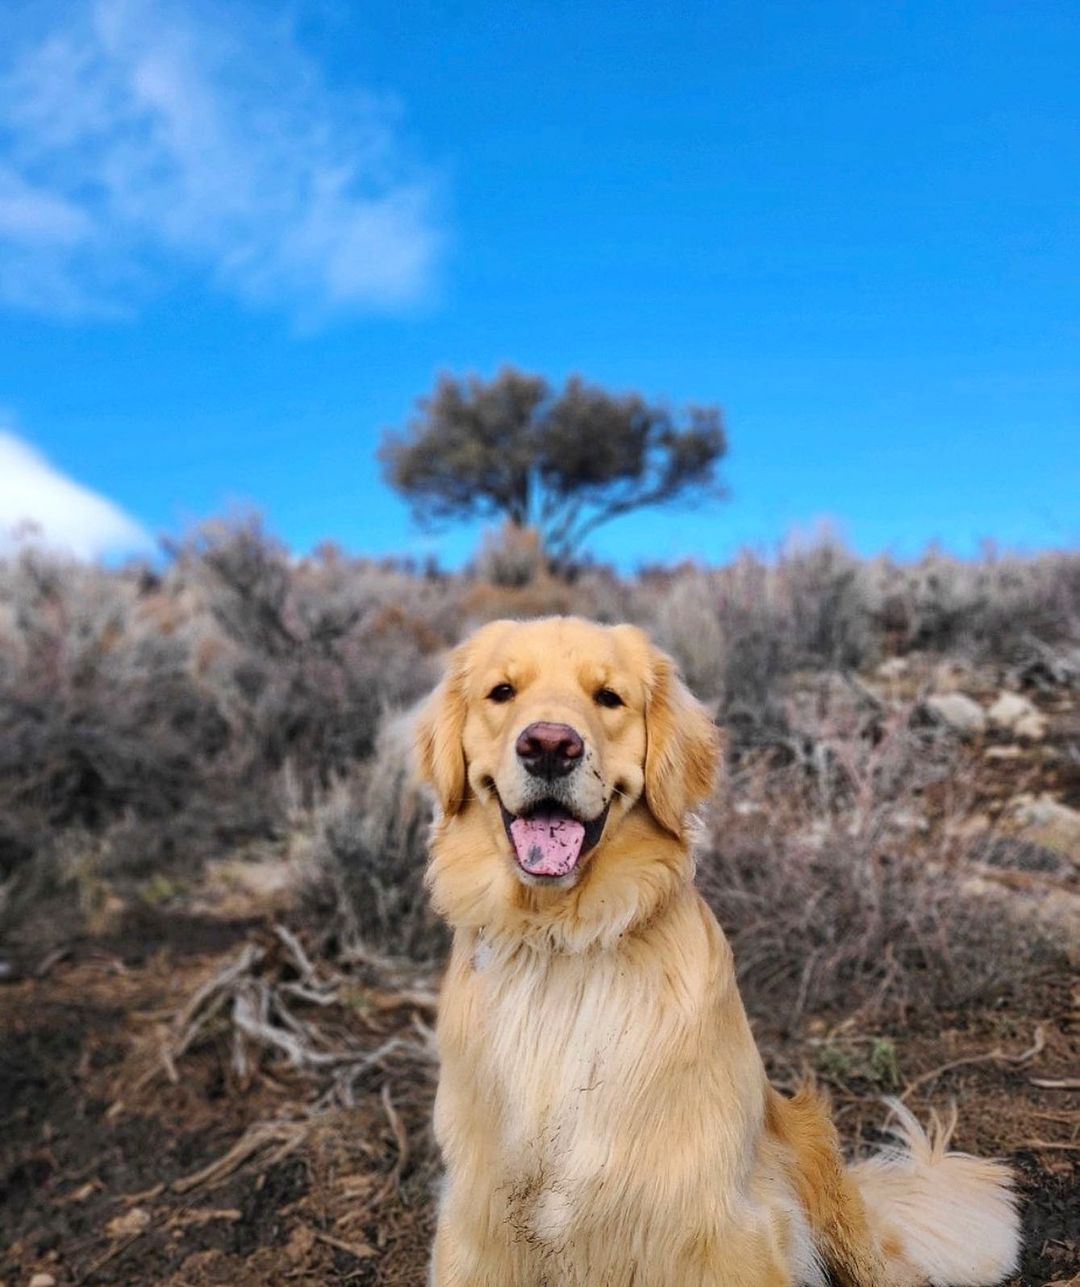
(235, 699)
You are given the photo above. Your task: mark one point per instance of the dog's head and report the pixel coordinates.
(556, 732)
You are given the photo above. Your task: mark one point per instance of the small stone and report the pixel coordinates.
(1053, 911)
(1007, 709)
(959, 712)
(977, 824)
(1015, 714)
(133, 1221)
(909, 820)
(1031, 728)
(893, 668)
(1051, 824)
(950, 675)
(43, 1280)
(1045, 811)
(814, 836)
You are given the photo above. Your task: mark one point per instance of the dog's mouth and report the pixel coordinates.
(548, 840)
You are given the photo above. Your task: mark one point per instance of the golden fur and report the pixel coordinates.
(602, 1110)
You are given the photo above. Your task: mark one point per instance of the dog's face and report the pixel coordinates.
(558, 730)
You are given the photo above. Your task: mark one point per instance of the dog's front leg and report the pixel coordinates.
(464, 1256)
(447, 1269)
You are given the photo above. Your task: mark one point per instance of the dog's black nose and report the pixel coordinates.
(550, 750)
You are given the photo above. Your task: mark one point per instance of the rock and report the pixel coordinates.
(1015, 714)
(949, 675)
(908, 820)
(893, 668)
(1052, 912)
(814, 837)
(131, 1222)
(975, 824)
(1059, 913)
(1008, 708)
(43, 1280)
(1054, 826)
(1019, 854)
(1052, 668)
(1031, 728)
(1002, 753)
(959, 712)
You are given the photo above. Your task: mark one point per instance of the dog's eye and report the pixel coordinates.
(608, 697)
(501, 693)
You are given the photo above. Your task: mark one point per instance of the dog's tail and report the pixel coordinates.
(940, 1218)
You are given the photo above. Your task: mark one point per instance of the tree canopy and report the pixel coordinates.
(563, 461)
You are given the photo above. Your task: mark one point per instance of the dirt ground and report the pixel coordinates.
(105, 1143)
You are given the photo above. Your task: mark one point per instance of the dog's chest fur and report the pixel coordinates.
(575, 1099)
(548, 1029)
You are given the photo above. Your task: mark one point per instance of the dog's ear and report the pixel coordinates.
(682, 747)
(438, 749)
(438, 745)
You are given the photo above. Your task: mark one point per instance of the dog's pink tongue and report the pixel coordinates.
(547, 844)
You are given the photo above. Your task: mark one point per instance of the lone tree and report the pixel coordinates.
(560, 461)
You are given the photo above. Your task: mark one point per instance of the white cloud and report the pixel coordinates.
(142, 139)
(41, 506)
(30, 215)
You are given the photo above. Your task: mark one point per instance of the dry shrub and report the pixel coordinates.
(370, 852)
(314, 652)
(96, 709)
(840, 875)
(100, 725)
(688, 625)
(511, 556)
(148, 719)
(830, 600)
(993, 609)
(154, 715)
(742, 632)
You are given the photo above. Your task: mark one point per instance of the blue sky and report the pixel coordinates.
(231, 255)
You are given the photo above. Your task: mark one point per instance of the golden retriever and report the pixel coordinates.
(602, 1110)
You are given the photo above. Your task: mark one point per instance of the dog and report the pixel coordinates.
(602, 1110)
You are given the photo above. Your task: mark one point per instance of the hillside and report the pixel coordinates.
(217, 967)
